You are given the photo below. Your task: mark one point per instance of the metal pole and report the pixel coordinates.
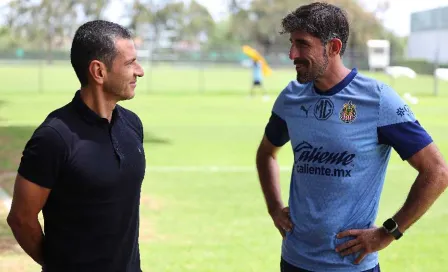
(40, 77)
(201, 78)
(148, 74)
(436, 65)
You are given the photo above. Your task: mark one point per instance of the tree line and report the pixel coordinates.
(48, 24)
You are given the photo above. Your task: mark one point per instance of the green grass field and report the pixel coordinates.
(202, 207)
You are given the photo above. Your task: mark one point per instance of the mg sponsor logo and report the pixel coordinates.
(323, 109)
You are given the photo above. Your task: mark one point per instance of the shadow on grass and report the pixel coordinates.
(153, 139)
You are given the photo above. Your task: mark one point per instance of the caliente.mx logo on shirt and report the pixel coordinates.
(306, 153)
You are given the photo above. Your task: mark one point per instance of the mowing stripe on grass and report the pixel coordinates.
(226, 169)
(223, 169)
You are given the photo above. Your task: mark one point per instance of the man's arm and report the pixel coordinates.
(28, 200)
(431, 182)
(399, 128)
(276, 135)
(43, 158)
(269, 175)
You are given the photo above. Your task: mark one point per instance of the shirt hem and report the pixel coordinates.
(317, 268)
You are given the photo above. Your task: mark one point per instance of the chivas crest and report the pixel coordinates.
(348, 112)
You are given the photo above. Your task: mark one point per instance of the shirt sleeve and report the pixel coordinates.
(43, 157)
(398, 126)
(276, 130)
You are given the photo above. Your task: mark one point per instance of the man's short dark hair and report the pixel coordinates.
(95, 40)
(322, 20)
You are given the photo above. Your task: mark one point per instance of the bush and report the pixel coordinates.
(419, 66)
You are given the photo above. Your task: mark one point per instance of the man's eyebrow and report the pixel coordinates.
(130, 61)
(300, 41)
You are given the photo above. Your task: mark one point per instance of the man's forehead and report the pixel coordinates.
(125, 47)
(301, 35)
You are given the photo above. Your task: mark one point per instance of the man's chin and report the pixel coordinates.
(128, 95)
(302, 80)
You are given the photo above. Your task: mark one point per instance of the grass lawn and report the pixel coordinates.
(202, 207)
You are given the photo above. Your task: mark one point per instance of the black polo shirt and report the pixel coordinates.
(95, 171)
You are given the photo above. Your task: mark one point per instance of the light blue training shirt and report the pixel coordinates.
(257, 72)
(342, 141)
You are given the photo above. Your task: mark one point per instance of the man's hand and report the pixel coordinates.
(282, 221)
(365, 241)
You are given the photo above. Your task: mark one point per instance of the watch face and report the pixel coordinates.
(390, 224)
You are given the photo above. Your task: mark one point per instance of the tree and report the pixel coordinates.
(48, 23)
(152, 21)
(93, 9)
(262, 19)
(197, 20)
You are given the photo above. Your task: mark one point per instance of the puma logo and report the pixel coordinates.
(305, 110)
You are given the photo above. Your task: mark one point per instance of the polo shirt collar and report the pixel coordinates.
(89, 115)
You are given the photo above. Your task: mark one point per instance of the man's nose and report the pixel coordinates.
(140, 72)
(293, 53)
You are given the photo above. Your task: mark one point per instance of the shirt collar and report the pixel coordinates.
(89, 115)
(340, 86)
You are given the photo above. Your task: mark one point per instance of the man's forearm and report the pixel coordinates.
(424, 192)
(30, 237)
(269, 174)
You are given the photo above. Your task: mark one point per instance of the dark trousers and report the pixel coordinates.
(287, 267)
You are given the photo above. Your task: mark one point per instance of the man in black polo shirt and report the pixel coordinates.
(84, 165)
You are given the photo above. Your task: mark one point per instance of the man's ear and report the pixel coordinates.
(97, 71)
(335, 47)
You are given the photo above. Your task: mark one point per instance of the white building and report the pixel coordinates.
(429, 35)
(378, 54)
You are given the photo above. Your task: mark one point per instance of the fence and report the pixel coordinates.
(168, 71)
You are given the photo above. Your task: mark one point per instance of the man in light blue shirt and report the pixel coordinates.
(342, 126)
(257, 78)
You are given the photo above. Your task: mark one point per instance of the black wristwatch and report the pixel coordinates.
(391, 227)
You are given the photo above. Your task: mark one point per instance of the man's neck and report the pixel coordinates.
(333, 76)
(98, 101)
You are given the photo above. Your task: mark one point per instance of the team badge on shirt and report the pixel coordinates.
(348, 113)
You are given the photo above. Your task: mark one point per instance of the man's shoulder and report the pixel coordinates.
(58, 120)
(53, 132)
(370, 82)
(368, 87)
(296, 88)
(128, 115)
